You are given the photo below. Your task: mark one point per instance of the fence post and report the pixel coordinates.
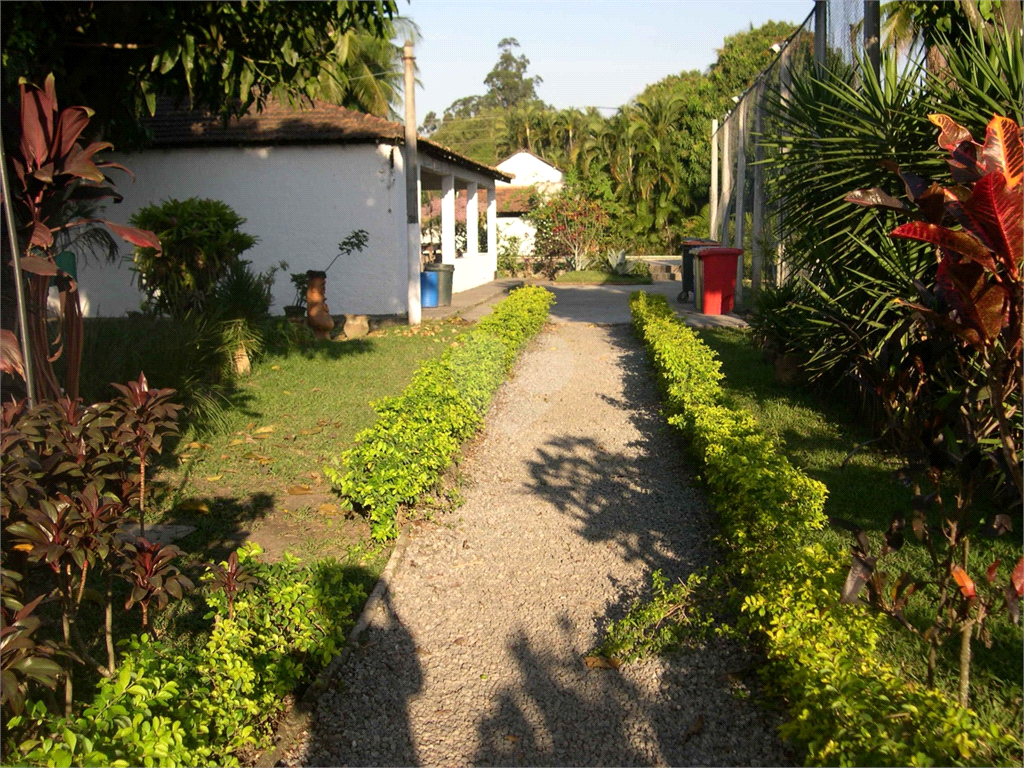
(820, 35)
(713, 197)
(726, 190)
(741, 189)
(872, 32)
(757, 217)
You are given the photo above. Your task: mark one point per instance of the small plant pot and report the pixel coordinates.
(295, 313)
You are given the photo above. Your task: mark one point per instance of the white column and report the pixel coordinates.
(448, 220)
(472, 221)
(492, 222)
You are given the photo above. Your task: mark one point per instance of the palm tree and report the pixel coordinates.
(370, 75)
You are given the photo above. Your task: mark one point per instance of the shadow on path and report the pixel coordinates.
(369, 716)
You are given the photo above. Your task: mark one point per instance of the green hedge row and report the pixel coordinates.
(418, 433)
(212, 705)
(847, 706)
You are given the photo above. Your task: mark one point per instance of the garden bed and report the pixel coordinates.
(850, 683)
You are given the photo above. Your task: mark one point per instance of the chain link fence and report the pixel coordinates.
(747, 211)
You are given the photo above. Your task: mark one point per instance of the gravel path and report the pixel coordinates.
(573, 496)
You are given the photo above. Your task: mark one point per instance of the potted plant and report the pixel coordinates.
(318, 316)
(297, 309)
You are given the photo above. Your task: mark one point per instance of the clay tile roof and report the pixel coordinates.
(511, 201)
(278, 123)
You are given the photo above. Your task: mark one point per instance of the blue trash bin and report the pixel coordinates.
(428, 289)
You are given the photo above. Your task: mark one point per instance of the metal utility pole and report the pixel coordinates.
(412, 194)
(19, 285)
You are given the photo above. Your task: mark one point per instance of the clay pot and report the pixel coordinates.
(318, 316)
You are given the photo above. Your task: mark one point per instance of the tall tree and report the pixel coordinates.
(117, 57)
(507, 84)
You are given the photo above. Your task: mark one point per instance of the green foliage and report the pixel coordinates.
(665, 622)
(511, 262)
(571, 229)
(201, 243)
(207, 706)
(847, 706)
(418, 433)
(119, 56)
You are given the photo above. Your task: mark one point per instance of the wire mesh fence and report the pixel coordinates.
(748, 210)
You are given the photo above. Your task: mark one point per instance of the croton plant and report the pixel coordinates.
(54, 170)
(970, 321)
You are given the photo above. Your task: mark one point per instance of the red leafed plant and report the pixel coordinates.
(147, 568)
(970, 322)
(54, 171)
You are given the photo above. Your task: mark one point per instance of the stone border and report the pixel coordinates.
(301, 716)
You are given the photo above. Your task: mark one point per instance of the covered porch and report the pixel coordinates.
(473, 267)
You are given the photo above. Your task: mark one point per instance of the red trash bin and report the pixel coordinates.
(719, 267)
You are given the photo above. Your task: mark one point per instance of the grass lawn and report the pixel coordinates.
(818, 436)
(259, 478)
(602, 278)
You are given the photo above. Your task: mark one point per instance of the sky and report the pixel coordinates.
(589, 52)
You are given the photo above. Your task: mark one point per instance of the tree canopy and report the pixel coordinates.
(118, 57)
(472, 124)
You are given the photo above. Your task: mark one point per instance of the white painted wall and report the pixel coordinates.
(300, 201)
(529, 170)
(517, 226)
(473, 270)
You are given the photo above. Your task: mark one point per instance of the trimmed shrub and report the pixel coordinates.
(847, 707)
(214, 705)
(419, 432)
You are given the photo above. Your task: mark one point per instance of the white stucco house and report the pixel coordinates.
(534, 178)
(303, 180)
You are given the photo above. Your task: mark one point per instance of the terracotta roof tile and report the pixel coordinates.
(512, 201)
(278, 123)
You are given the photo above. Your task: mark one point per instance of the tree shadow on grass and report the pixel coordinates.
(323, 349)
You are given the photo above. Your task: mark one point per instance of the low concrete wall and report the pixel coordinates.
(473, 270)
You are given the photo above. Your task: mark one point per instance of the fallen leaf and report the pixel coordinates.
(275, 367)
(317, 478)
(328, 509)
(316, 431)
(195, 446)
(696, 727)
(194, 505)
(264, 430)
(601, 662)
(484, 676)
(249, 426)
(224, 456)
(213, 478)
(285, 392)
(299, 490)
(236, 442)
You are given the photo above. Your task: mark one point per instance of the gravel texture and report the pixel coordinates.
(574, 495)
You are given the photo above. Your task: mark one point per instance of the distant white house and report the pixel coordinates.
(534, 178)
(303, 180)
